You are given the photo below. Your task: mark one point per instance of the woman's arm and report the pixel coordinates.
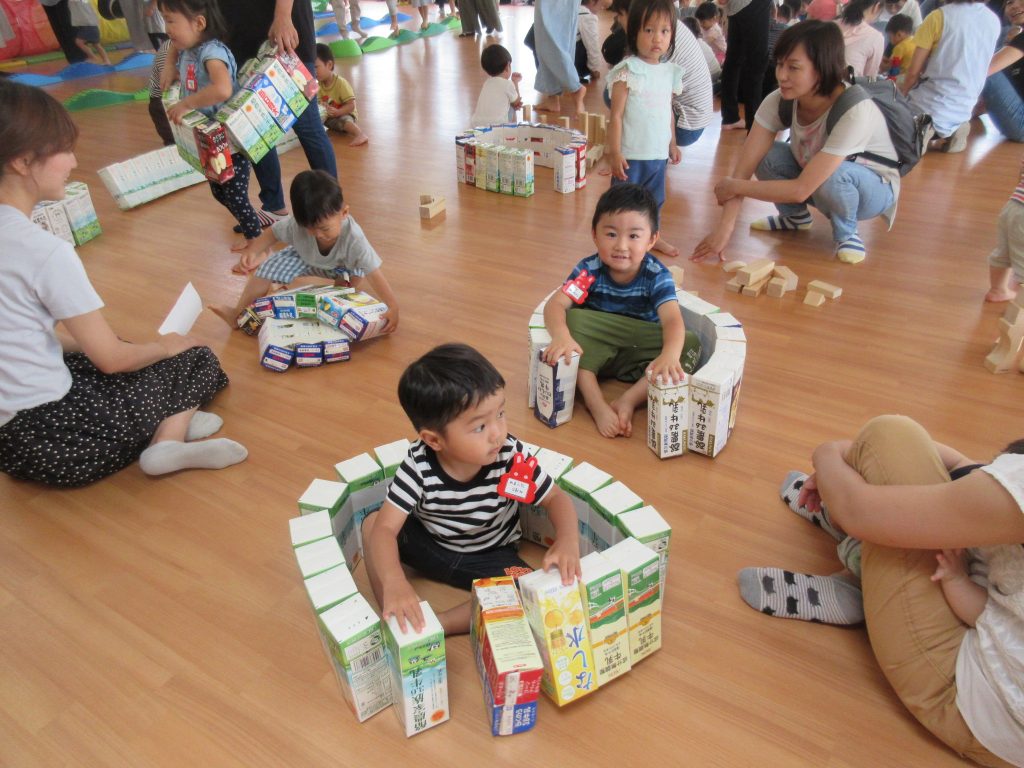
(796, 190)
(917, 64)
(110, 354)
(1004, 57)
(972, 512)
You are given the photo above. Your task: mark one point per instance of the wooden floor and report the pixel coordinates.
(163, 622)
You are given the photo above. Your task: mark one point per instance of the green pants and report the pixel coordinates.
(620, 347)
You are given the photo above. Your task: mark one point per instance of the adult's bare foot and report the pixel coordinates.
(665, 248)
(998, 295)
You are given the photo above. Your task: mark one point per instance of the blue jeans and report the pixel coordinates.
(686, 136)
(649, 174)
(852, 193)
(1005, 106)
(319, 153)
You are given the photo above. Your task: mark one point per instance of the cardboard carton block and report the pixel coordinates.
(814, 298)
(732, 266)
(1007, 351)
(788, 276)
(826, 289)
(355, 644)
(419, 672)
(755, 271)
(776, 287)
(1014, 312)
(678, 273)
(528, 113)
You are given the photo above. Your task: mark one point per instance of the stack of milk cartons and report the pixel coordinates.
(506, 656)
(715, 390)
(305, 343)
(148, 176)
(419, 672)
(358, 315)
(486, 157)
(288, 304)
(581, 482)
(533, 518)
(641, 575)
(73, 218)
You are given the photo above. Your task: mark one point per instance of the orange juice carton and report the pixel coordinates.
(580, 482)
(606, 505)
(641, 574)
(650, 529)
(506, 655)
(318, 556)
(556, 389)
(419, 674)
(355, 644)
(668, 417)
(330, 588)
(556, 616)
(604, 603)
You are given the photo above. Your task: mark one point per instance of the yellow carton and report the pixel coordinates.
(559, 625)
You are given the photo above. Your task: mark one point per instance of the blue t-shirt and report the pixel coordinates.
(639, 298)
(193, 74)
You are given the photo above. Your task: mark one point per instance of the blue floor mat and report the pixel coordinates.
(84, 69)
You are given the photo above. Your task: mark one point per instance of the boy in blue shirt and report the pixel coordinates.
(628, 326)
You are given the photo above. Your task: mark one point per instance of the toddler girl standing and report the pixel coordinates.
(208, 77)
(641, 135)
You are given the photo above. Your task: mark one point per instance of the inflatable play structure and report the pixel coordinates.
(25, 31)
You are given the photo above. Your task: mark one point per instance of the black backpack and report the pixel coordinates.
(908, 130)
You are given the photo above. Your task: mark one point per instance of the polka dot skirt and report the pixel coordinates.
(105, 421)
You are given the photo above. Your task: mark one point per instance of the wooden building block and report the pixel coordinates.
(431, 206)
(595, 153)
(826, 289)
(754, 289)
(814, 298)
(755, 271)
(542, 117)
(677, 275)
(602, 130)
(776, 287)
(528, 113)
(1014, 311)
(787, 274)
(1006, 354)
(732, 266)
(734, 285)
(565, 122)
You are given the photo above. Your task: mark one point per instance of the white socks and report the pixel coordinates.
(171, 455)
(788, 595)
(203, 425)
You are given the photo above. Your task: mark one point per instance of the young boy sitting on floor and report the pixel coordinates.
(323, 240)
(443, 514)
(629, 324)
(338, 98)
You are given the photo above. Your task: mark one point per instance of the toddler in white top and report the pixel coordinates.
(499, 97)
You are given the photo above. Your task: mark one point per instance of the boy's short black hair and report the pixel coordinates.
(706, 11)
(494, 59)
(627, 197)
(445, 382)
(823, 43)
(1017, 446)
(324, 53)
(899, 23)
(315, 195)
(640, 11)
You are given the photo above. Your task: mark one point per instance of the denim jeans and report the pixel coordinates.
(1005, 106)
(852, 193)
(319, 152)
(686, 136)
(649, 174)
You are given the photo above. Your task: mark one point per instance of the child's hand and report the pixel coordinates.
(667, 368)
(674, 155)
(617, 165)
(517, 77)
(517, 104)
(952, 565)
(561, 347)
(400, 601)
(178, 111)
(564, 554)
(809, 496)
(333, 111)
(391, 321)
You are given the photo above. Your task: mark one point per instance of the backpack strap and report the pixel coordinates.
(847, 100)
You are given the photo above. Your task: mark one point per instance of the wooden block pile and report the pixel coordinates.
(1007, 353)
(763, 276)
(819, 290)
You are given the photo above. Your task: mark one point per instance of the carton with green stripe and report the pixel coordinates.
(650, 529)
(391, 455)
(641, 575)
(306, 529)
(419, 672)
(604, 603)
(355, 646)
(607, 504)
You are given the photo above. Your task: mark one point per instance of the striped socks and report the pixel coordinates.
(789, 595)
(800, 221)
(851, 250)
(790, 492)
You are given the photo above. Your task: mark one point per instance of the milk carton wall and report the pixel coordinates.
(556, 389)
(355, 641)
(419, 673)
(668, 417)
(641, 576)
(650, 529)
(555, 613)
(604, 603)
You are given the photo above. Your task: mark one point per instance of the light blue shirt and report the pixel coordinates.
(197, 58)
(647, 120)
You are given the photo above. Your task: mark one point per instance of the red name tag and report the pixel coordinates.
(517, 484)
(578, 288)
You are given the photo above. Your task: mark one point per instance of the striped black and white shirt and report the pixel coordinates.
(463, 517)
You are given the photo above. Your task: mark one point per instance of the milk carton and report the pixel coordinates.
(257, 113)
(276, 346)
(650, 529)
(492, 183)
(80, 212)
(604, 603)
(330, 588)
(318, 556)
(555, 613)
(284, 85)
(714, 393)
(580, 482)
(506, 655)
(355, 644)
(323, 495)
(641, 573)
(391, 455)
(419, 674)
(506, 170)
(522, 173)
(52, 217)
(272, 99)
(539, 339)
(565, 170)
(357, 314)
(607, 504)
(668, 417)
(555, 464)
(484, 152)
(367, 489)
(306, 529)
(556, 389)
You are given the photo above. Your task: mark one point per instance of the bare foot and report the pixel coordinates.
(238, 269)
(666, 248)
(624, 411)
(738, 125)
(606, 419)
(578, 98)
(550, 104)
(225, 313)
(358, 141)
(1001, 294)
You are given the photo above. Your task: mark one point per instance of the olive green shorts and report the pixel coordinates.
(620, 347)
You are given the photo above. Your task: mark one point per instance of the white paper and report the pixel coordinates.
(184, 312)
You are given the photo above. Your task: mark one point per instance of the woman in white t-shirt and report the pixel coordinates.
(946, 623)
(80, 406)
(816, 166)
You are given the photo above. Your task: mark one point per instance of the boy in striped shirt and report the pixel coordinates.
(443, 515)
(628, 325)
